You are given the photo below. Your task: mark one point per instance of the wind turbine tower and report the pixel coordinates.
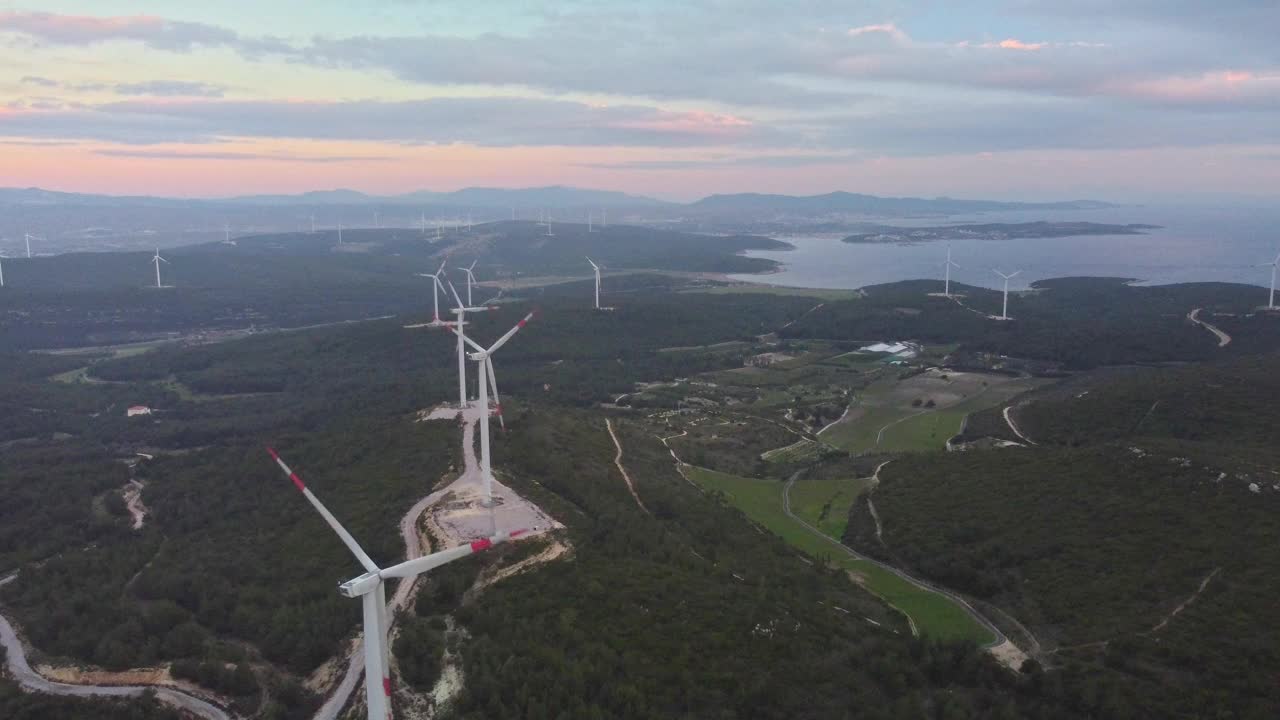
(1271, 302)
(1004, 314)
(28, 237)
(596, 268)
(459, 326)
(947, 286)
(156, 261)
(484, 368)
(604, 217)
(590, 228)
(371, 589)
(2, 256)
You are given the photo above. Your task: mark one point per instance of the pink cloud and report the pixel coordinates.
(889, 29)
(696, 122)
(1226, 86)
(156, 32)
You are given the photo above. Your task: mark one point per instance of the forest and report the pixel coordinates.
(688, 609)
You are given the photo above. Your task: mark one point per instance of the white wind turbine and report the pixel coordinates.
(468, 221)
(371, 589)
(29, 237)
(1004, 314)
(596, 268)
(424, 223)
(590, 227)
(226, 234)
(436, 288)
(156, 261)
(484, 368)
(604, 217)
(339, 233)
(947, 285)
(2, 256)
(1271, 303)
(471, 278)
(459, 326)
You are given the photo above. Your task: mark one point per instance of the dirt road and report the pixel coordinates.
(1008, 419)
(617, 460)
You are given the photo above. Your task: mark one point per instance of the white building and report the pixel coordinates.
(137, 410)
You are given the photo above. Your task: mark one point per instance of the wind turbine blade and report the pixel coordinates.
(473, 265)
(597, 267)
(493, 387)
(456, 297)
(1015, 273)
(1277, 260)
(347, 540)
(503, 340)
(410, 568)
(467, 340)
(442, 262)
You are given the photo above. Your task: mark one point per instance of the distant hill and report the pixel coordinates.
(844, 202)
(556, 196)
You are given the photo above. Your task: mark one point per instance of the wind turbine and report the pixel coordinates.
(596, 268)
(460, 325)
(2, 256)
(339, 233)
(1271, 303)
(468, 221)
(313, 224)
(947, 287)
(590, 228)
(471, 278)
(29, 237)
(436, 287)
(226, 234)
(156, 261)
(371, 589)
(1004, 314)
(604, 217)
(484, 368)
(424, 223)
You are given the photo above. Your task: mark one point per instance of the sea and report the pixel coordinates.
(1192, 244)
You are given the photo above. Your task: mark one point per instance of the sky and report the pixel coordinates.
(1131, 100)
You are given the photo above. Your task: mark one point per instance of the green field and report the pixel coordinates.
(859, 436)
(927, 431)
(825, 503)
(761, 500)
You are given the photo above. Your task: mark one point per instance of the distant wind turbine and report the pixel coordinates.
(947, 286)
(471, 278)
(313, 224)
(377, 220)
(1271, 303)
(156, 261)
(1004, 314)
(371, 589)
(424, 223)
(590, 228)
(604, 217)
(596, 268)
(459, 326)
(2, 256)
(339, 233)
(226, 234)
(436, 288)
(29, 237)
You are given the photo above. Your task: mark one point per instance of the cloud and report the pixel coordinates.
(493, 121)
(885, 28)
(155, 32)
(41, 81)
(756, 161)
(1013, 44)
(216, 155)
(170, 88)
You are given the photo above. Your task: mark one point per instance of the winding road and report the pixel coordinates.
(1000, 638)
(1008, 419)
(617, 460)
(1223, 338)
(30, 680)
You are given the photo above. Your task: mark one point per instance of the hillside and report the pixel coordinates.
(856, 203)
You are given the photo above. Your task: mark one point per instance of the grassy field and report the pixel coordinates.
(761, 500)
(927, 431)
(825, 503)
(859, 435)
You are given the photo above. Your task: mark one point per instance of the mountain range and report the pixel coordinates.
(557, 196)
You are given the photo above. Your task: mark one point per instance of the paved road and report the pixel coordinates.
(1223, 338)
(20, 670)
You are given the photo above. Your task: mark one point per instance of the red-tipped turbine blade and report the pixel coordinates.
(345, 536)
(503, 340)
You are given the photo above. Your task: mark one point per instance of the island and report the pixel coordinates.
(995, 231)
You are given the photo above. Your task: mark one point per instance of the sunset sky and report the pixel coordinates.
(1137, 100)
